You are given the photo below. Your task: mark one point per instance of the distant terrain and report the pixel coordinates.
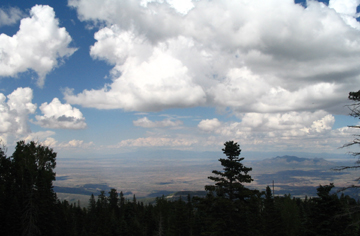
(157, 174)
(301, 176)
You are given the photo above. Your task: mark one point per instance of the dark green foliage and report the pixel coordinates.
(213, 215)
(290, 216)
(328, 214)
(271, 216)
(26, 183)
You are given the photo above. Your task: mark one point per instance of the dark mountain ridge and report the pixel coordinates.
(290, 160)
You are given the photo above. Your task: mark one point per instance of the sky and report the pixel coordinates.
(111, 76)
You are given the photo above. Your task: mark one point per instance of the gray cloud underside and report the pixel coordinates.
(62, 122)
(10, 16)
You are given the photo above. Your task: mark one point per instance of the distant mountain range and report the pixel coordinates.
(87, 189)
(291, 160)
(300, 176)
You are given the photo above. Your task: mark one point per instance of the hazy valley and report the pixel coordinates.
(151, 174)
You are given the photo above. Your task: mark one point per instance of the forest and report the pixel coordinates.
(29, 206)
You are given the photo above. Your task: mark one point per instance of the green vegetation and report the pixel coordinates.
(29, 206)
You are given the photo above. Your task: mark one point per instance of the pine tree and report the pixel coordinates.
(113, 202)
(290, 215)
(229, 182)
(327, 214)
(271, 216)
(230, 211)
(32, 176)
(9, 205)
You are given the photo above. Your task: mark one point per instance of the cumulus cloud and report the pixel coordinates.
(181, 6)
(347, 9)
(281, 124)
(209, 124)
(146, 123)
(305, 122)
(60, 116)
(15, 109)
(292, 123)
(14, 112)
(248, 56)
(152, 78)
(39, 45)
(76, 144)
(10, 16)
(50, 142)
(293, 130)
(40, 136)
(45, 139)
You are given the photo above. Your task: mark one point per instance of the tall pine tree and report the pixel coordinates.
(229, 212)
(229, 181)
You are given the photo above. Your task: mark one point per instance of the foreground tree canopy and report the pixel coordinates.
(29, 206)
(26, 190)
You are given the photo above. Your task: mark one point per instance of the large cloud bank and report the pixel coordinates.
(250, 56)
(39, 44)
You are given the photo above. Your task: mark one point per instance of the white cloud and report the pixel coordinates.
(38, 45)
(76, 144)
(45, 139)
(157, 142)
(50, 142)
(322, 125)
(292, 122)
(249, 56)
(39, 136)
(60, 116)
(209, 124)
(293, 130)
(15, 111)
(347, 7)
(152, 79)
(10, 16)
(347, 10)
(155, 21)
(181, 6)
(146, 123)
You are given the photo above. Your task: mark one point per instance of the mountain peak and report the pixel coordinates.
(291, 158)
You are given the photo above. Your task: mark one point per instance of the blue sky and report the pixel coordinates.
(107, 76)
